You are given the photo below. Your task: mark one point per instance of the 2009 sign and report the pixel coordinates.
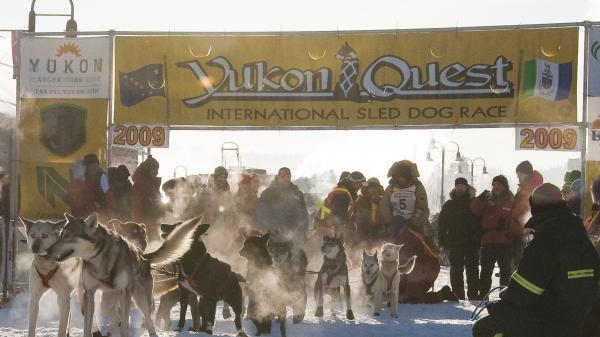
(140, 135)
(549, 139)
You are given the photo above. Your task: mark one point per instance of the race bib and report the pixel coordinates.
(403, 201)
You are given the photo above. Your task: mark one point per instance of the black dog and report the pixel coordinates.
(333, 276)
(180, 294)
(212, 280)
(291, 271)
(264, 294)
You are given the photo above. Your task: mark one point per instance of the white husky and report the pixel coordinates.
(387, 284)
(46, 273)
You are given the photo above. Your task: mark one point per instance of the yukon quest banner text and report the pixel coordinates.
(346, 80)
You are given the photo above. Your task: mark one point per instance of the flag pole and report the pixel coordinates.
(518, 89)
(168, 112)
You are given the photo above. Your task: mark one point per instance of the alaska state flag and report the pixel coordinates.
(141, 83)
(551, 81)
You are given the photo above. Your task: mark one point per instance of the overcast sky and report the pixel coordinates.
(369, 151)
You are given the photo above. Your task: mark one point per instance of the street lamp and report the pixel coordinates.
(484, 171)
(432, 145)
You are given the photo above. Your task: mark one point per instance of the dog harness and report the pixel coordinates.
(369, 285)
(389, 280)
(46, 278)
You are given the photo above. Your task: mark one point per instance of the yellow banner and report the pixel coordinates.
(54, 134)
(346, 80)
(61, 131)
(43, 192)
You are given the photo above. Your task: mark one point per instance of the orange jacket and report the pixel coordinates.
(521, 211)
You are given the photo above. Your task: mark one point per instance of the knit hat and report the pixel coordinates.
(373, 182)
(461, 181)
(284, 170)
(546, 195)
(525, 167)
(90, 159)
(502, 180)
(357, 177)
(220, 171)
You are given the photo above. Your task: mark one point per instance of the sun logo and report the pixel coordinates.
(68, 47)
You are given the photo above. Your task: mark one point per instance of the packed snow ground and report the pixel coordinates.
(444, 319)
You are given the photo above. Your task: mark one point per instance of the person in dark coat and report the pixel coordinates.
(118, 198)
(460, 233)
(556, 281)
(281, 208)
(146, 205)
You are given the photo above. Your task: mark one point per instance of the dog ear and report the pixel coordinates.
(69, 217)
(375, 256)
(28, 223)
(91, 222)
(265, 238)
(365, 255)
(201, 229)
(59, 225)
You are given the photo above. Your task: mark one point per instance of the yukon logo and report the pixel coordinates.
(63, 128)
(388, 77)
(66, 48)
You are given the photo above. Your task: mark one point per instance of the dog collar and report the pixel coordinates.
(46, 278)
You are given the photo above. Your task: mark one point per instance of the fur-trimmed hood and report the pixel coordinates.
(471, 192)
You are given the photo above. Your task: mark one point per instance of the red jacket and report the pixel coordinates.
(495, 217)
(336, 211)
(367, 217)
(146, 204)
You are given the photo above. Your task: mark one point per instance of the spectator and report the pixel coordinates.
(367, 216)
(246, 200)
(573, 198)
(570, 177)
(146, 205)
(282, 209)
(556, 282)
(4, 195)
(593, 222)
(335, 214)
(405, 200)
(529, 180)
(118, 199)
(494, 209)
(87, 187)
(460, 232)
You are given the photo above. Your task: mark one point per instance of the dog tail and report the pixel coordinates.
(408, 267)
(176, 244)
(164, 286)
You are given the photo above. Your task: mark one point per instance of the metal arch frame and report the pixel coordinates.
(112, 33)
(71, 24)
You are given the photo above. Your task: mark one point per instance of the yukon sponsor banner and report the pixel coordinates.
(346, 80)
(64, 67)
(62, 131)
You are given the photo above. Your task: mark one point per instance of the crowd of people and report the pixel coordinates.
(478, 230)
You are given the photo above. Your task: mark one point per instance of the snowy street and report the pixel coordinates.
(446, 319)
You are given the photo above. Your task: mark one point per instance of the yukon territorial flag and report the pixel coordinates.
(141, 83)
(548, 80)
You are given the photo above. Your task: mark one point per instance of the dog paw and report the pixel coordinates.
(376, 314)
(350, 315)
(192, 329)
(178, 329)
(297, 319)
(394, 315)
(242, 334)
(319, 312)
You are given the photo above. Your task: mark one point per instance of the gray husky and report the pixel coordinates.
(62, 277)
(117, 267)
